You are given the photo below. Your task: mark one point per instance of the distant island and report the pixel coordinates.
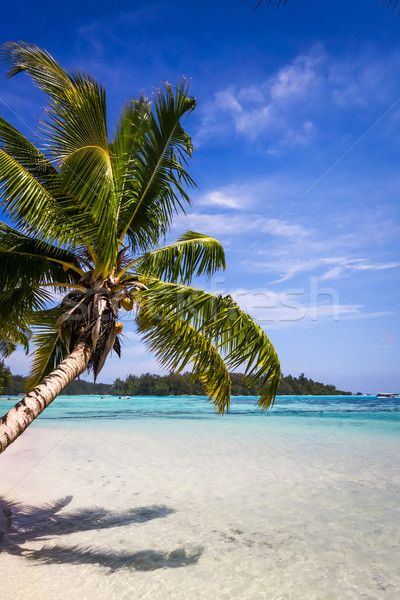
(176, 385)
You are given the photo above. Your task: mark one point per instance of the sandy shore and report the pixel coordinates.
(190, 511)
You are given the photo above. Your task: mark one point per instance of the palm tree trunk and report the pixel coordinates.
(24, 412)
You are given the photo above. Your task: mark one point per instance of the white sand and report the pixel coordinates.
(201, 511)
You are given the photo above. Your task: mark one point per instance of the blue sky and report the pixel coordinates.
(297, 156)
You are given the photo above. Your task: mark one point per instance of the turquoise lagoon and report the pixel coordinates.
(367, 411)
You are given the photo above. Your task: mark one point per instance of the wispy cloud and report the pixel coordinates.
(345, 266)
(336, 245)
(293, 104)
(226, 198)
(261, 109)
(238, 229)
(306, 261)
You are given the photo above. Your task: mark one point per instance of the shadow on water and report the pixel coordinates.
(21, 524)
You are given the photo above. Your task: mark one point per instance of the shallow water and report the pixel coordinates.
(195, 407)
(161, 499)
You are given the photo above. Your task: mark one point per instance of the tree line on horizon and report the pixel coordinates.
(150, 384)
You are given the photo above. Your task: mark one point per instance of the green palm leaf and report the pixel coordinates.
(60, 202)
(194, 254)
(30, 262)
(41, 66)
(17, 307)
(177, 344)
(132, 127)
(20, 302)
(158, 177)
(7, 347)
(234, 333)
(22, 150)
(75, 133)
(51, 347)
(10, 337)
(30, 205)
(88, 177)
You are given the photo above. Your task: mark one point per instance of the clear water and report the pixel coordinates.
(358, 408)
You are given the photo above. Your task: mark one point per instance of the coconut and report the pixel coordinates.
(127, 303)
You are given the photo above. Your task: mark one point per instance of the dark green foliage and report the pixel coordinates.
(158, 385)
(17, 385)
(82, 387)
(176, 385)
(301, 386)
(5, 376)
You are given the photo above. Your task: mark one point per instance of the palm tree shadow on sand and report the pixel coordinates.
(22, 524)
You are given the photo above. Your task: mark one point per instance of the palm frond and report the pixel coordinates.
(8, 345)
(393, 3)
(269, 2)
(19, 304)
(39, 64)
(50, 347)
(234, 333)
(75, 133)
(29, 262)
(157, 177)
(18, 307)
(132, 127)
(194, 254)
(13, 334)
(22, 150)
(65, 206)
(30, 205)
(177, 344)
(87, 175)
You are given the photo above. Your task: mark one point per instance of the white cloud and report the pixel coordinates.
(263, 109)
(346, 266)
(252, 123)
(227, 101)
(297, 102)
(288, 264)
(223, 198)
(285, 248)
(240, 230)
(294, 81)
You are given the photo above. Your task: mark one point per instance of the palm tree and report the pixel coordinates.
(87, 216)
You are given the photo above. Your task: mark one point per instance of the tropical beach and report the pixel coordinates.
(177, 502)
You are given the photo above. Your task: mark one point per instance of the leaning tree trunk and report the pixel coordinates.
(24, 412)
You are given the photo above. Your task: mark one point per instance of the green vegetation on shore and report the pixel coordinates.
(5, 376)
(164, 385)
